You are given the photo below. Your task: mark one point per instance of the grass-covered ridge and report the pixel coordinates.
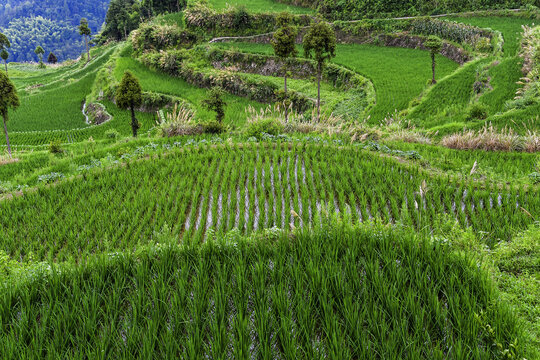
(338, 292)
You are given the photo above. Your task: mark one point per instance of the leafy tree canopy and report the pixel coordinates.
(4, 42)
(129, 92)
(8, 95)
(284, 40)
(52, 59)
(83, 28)
(320, 42)
(434, 44)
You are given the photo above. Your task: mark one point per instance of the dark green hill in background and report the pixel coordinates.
(50, 24)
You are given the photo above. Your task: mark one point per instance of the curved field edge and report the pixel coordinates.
(370, 289)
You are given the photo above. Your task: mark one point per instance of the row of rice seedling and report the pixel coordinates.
(340, 292)
(504, 167)
(120, 122)
(249, 187)
(398, 74)
(56, 105)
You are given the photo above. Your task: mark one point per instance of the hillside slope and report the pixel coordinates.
(50, 24)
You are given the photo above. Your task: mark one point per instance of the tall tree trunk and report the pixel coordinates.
(286, 102)
(6, 132)
(87, 50)
(319, 71)
(5, 62)
(134, 124)
(433, 81)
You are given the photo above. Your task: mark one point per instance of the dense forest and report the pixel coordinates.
(50, 24)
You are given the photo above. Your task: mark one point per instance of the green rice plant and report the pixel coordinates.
(220, 187)
(336, 291)
(398, 74)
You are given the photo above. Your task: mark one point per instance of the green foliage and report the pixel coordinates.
(28, 32)
(358, 9)
(320, 42)
(477, 111)
(52, 59)
(9, 100)
(152, 37)
(122, 17)
(266, 126)
(84, 30)
(112, 134)
(129, 96)
(214, 102)
(213, 127)
(39, 51)
(434, 44)
(4, 42)
(284, 39)
(125, 16)
(55, 147)
(129, 92)
(49, 23)
(389, 196)
(4, 55)
(233, 21)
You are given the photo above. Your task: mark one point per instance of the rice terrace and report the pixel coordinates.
(270, 179)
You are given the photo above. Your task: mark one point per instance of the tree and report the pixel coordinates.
(4, 55)
(434, 45)
(284, 44)
(122, 17)
(85, 31)
(39, 52)
(129, 96)
(8, 100)
(4, 45)
(214, 102)
(52, 59)
(320, 44)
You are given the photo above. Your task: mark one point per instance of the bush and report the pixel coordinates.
(265, 126)
(213, 127)
(112, 134)
(477, 111)
(55, 147)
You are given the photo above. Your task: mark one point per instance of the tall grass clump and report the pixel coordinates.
(179, 121)
(492, 139)
(337, 292)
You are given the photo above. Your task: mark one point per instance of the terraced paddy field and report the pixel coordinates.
(398, 74)
(261, 6)
(261, 299)
(274, 187)
(368, 234)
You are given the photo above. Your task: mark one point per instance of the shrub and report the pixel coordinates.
(214, 102)
(112, 134)
(266, 126)
(477, 111)
(55, 147)
(213, 127)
